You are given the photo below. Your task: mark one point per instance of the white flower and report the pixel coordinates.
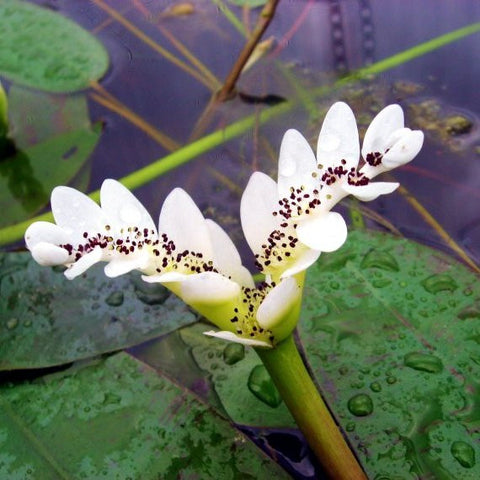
(289, 223)
(85, 233)
(226, 295)
(190, 255)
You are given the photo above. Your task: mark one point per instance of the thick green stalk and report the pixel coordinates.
(299, 393)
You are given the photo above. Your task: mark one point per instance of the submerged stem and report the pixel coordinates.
(299, 393)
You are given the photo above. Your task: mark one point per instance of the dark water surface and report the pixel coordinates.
(317, 41)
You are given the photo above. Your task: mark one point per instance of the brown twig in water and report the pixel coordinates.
(266, 16)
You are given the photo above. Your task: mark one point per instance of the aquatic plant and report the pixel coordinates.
(287, 224)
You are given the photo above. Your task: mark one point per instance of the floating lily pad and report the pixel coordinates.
(27, 178)
(116, 420)
(48, 320)
(54, 140)
(42, 49)
(396, 354)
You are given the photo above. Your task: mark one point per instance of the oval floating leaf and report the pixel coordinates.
(27, 178)
(393, 339)
(47, 320)
(117, 420)
(42, 49)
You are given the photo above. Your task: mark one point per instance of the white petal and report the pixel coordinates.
(259, 201)
(382, 126)
(404, 150)
(168, 277)
(296, 164)
(41, 232)
(184, 224)
(47, 254)
(226, 257)
(302, 262)
(84, 263)
(126, 263)
(278, 303)
(208, 288)
(76, 213)
(122, 207)
(231, 337)
(338, 139)
(326, 232)
(369, 192)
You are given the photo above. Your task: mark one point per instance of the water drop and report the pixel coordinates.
(424, 362)
(360, 405)
(329, 142)
(350, 427)
(27, 323)
(439, 282)
(12, 323)
(262, 386)
(375, 387)
(150, 293)
(380, 259)
(233, 353)
(391, 380)
(334, 285)
(111, 399)
(381, 282)
(115, 299)
(130, 215)
(471, 311)
(463, 454)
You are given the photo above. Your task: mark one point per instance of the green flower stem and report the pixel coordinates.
(299, 393)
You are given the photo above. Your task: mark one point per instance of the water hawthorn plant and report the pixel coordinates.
(287, 224)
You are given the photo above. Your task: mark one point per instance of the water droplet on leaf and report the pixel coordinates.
(233, 353)
(381, 282)
(350, 427)
(360, 405)
(12, 323)
(262, 386)
(115, 299)
(391, 380)
(375, 387)
(379, 259)
(150, 293)
(111, 399)
(439, 283)
(463, 453)
(423, 361)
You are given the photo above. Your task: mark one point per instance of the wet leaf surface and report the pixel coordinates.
(119, 419)
(48, 320)
(42, 49)
(54, 139)
(395, 351)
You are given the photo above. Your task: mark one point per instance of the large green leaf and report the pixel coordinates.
(42, 49)
(231, 377)
(54, 140)
(48, 320)
(27, 178)
(117, 420)
(391, 330)
(36, 116)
